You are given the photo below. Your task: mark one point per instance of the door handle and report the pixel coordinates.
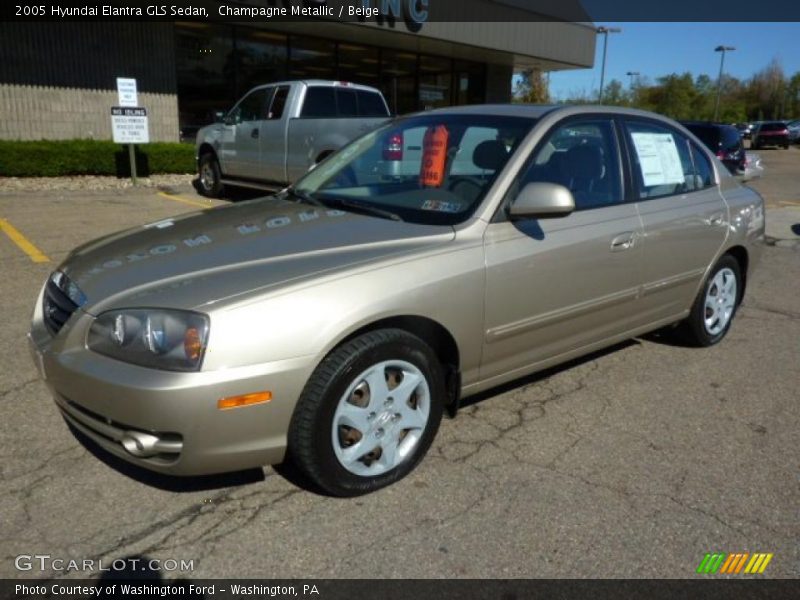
(714, 220)
(254, 133)
(624, 241)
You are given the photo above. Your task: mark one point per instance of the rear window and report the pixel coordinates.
(708, 135)
(319, 102)
(347, 103)
(773, 127)
(731, 140)
(330, 101)
(371, 104)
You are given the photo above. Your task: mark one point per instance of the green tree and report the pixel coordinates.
(531, 87)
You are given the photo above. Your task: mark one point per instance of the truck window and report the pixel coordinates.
(278, 103)
(252, 107)
(346, 103)
(320, 102)
(371, 104)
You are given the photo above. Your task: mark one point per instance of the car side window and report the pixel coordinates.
(581, 155)
(705, 173)
(320, 102)
(252, 107)
(278, 103)
(662, 161)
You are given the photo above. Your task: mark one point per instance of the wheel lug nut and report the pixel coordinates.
(379, 433)
(389, 402)
(371, 416)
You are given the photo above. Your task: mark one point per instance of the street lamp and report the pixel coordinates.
(722, 49)
(604, 31)
(632, 74)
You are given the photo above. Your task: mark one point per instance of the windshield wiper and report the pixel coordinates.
(303, 196)
(364, 208)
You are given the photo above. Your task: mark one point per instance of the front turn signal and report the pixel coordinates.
(244, 400)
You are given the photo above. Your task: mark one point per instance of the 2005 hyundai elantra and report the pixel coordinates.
(436, 257)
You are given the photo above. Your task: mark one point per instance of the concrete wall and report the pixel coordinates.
(57, 113)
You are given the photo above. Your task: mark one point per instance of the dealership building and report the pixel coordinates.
(58, 79)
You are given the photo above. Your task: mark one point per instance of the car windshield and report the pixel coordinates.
(432, 169)
(773, 126)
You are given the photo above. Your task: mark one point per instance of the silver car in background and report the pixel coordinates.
(334, 323)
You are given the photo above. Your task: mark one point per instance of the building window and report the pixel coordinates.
(261, 58)
(311, 58)
(206, 73)
(358, 64)
(399, 81)
(435, 80)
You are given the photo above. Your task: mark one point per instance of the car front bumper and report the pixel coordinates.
(166, 421)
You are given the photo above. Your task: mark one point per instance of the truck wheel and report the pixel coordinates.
(368, 413)
(210, 176)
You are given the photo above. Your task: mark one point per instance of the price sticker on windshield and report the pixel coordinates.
(434, 155)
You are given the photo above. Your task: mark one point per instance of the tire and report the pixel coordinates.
(350, 441)
(715, 306)
(208, 170)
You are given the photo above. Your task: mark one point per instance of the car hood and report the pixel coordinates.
(230, 251)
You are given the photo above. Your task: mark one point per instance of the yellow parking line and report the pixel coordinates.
(789, 203)
(188, 201)
(22, 242)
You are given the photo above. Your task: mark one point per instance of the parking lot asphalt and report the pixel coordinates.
(632, 462)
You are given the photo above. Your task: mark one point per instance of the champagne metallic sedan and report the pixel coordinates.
(438, 256)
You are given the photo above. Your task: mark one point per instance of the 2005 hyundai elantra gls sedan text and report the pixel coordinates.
(438, 256)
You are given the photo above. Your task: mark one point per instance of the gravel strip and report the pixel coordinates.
(88, 182)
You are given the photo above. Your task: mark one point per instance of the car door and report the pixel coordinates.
(271, 165)
(684, 216)
(556, 285)
(241, 146)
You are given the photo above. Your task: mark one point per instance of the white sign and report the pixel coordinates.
(126, 90)
(129, 125)
(658, 158)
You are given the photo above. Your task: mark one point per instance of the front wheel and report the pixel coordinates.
(210, 176)
(716, 304)
(368, 414)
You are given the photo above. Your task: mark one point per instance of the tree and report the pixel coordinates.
(614, 95)
(531, 87)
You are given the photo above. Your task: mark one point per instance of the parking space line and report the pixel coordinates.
(787, 202)
(22, 242)
(188, 201)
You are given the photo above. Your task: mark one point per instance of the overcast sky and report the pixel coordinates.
(655, 49)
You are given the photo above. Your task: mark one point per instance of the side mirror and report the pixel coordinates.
(542, 199)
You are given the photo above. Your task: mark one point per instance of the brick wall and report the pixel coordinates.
(55, 113)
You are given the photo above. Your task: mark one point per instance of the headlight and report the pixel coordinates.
(173, 340)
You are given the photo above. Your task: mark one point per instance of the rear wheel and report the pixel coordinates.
(210, 176)
(715, 305)
(369, 413)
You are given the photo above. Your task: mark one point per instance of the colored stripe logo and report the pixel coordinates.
(734, 563)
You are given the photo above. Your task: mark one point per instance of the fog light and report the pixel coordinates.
(244, 400)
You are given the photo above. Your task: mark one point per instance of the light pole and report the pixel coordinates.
(604, 31)
(632, 74)
(722, 49)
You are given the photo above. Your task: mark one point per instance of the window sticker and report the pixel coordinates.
(434, 153)
(441, 206)
(658, 158)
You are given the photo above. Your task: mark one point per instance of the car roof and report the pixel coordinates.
(320, 83)
(537, 111)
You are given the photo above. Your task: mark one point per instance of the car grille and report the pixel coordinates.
(61, 299)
